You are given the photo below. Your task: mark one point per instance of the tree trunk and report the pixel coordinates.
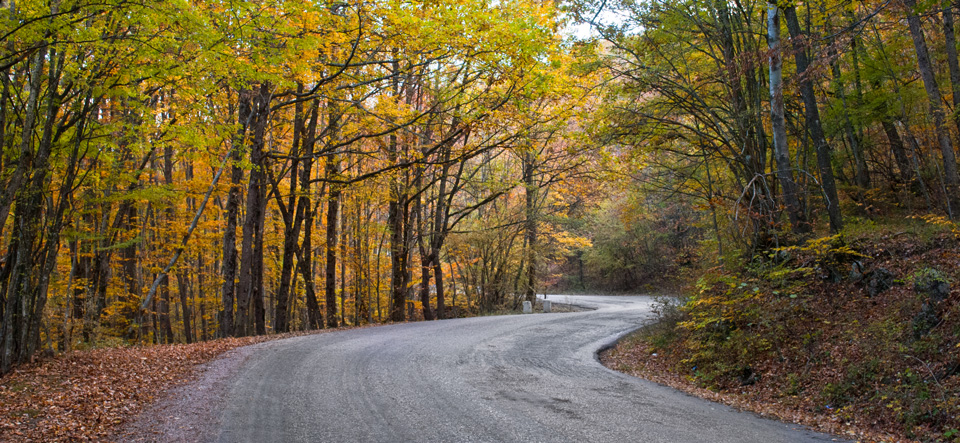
(305, 253)
(781, 149)
(925, 65)
(128, 262)
(530, 225)
(812, 117)
(250, 314)
(950, 41)
(200, 294)
(899, 152)
(163, 314)
(330, 274)
(333, 218)
(229, 269)
(183, 288)
(293, 222)
(397, 263)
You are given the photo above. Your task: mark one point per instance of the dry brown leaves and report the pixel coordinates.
(636, 359)
(839, 314)
(83, 396)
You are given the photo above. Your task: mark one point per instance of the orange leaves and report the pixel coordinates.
(84, 396)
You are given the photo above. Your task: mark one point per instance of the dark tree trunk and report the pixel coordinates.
(128, 262)
(293, 221)
(183, 288)
(925, 65)
(530, 225)
(812, 117)
(420, 212)
(163, 314)
(165, 301)
(398, 247)
(899, 152)
(28, 269)
(950, 41)
(330, 274)
(333, 218)
(250, 311)
(440, 216)
(229, 265)
(305, 253)
(200, 294)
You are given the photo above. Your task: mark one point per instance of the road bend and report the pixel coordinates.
(514, 378)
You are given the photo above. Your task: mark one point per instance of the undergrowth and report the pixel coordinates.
(862, 328)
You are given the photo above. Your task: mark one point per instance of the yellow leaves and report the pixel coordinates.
(570, 242)
(939, 221)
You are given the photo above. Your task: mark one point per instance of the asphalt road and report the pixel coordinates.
(518, 378)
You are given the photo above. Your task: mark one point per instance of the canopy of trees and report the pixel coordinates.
(181, 170)
(176, 171)
(756, 123)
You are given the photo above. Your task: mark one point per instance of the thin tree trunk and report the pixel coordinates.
(925, 65)
(333, 216)
(200, 294)
(305, 253)
(182, 287)
(530, 225)
(812, 117)
(781, 149)
(229, 269)
(899, 152)
(950, 41)
(292, 226)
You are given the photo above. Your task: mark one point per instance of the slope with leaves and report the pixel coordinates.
(87, 395)
(838, 335)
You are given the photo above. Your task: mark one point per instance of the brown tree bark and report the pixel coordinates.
(250, 313)
(899, 152)
(183, 287)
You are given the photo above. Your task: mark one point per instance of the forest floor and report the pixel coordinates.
(856, 335)
(87, 395)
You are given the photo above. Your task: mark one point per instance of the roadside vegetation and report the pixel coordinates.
(857, 334)
(793, 166)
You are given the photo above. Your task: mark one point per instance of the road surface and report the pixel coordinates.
(517, 378)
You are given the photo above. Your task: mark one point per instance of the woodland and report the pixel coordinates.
(182, 171)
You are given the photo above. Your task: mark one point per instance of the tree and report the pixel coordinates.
(925, 65)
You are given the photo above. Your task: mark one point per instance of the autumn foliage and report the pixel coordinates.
(844, 353)
(180, 171)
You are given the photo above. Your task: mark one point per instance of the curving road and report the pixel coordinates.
(523, 378)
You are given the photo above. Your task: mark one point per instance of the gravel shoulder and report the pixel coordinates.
(191, 411)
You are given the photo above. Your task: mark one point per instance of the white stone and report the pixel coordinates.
(546, 306)
(527, 308)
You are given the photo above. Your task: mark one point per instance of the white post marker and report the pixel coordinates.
(546, 306)
(527, 308)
